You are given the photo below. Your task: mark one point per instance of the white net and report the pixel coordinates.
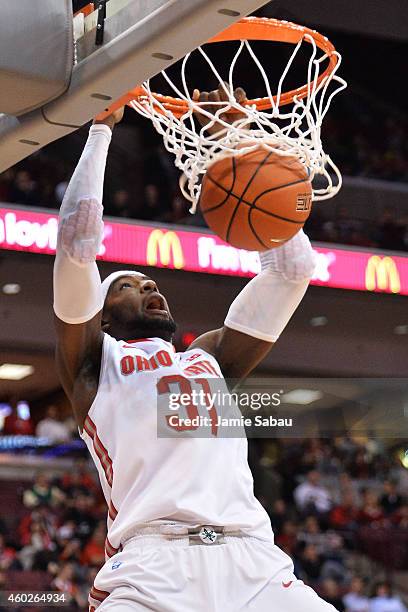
(293, 130)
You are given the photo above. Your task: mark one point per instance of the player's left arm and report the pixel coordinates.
(260, 313)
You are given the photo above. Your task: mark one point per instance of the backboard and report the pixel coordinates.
(141, 38)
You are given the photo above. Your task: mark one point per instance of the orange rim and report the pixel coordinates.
(249, 28)
(86, 10)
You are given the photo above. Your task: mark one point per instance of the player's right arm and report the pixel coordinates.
(78, 298)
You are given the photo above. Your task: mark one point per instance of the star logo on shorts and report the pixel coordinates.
(207, 535)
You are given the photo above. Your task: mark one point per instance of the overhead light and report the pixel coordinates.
(401, 330)
(319, 321)
(302, 396)
(15, 371)
(11, 288)
(403, 455)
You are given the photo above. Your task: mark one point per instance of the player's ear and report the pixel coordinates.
(105, 323)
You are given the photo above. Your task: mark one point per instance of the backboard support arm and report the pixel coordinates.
(140, 40)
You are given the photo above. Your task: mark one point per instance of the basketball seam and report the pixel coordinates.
(244, 192)
(234, 172)
(266, 212)
(254, 231)
(228, 193)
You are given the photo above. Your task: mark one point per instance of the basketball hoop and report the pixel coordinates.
(294, 132)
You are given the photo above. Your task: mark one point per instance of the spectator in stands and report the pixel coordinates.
(287, 537)
(75, 486)
(331, 593)
(346, 485)
(360, 464)
(42, 492)
(24, 189)
(384, 601)
(79, 476)
(71, 551)
(371, 511)
(390, 500)
(120, 204)
(8, 556)
(39, 542)
(43, 514)
(278, 515)
(345, 515)
(52, 428)
(80, 513)
(310, 561)
(65, 583)
(342, 226)
(15, 425)
(94, 551)
(311, 533)
(154, 207)
(390, 231)
(355, 600)
(311, 496)
(400, 518)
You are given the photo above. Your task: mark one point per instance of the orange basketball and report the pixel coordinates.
(257, 200)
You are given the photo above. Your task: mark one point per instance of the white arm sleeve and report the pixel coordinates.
(267, 303)
(77, 284)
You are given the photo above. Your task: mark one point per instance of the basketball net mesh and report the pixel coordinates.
(296, 132)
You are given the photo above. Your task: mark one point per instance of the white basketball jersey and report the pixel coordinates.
(151, 480)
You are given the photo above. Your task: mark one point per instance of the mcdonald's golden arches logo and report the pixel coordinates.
(164, 247)
(382, 273)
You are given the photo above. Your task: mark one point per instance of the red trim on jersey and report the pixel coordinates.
(100, 450)
(98, 594)
(111, 550)
(139, 340)
(112, 511)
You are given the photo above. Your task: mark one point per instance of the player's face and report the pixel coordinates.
(135, 307)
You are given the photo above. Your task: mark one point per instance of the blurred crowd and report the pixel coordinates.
(331, 502)
(328, 500)
(60, 536)
(389, 231)
(50, 427)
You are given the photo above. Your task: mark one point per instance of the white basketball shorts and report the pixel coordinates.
(242, 575)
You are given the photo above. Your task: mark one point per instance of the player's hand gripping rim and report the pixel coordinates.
(206, 99)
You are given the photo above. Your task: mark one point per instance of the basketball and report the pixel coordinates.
(256, 200)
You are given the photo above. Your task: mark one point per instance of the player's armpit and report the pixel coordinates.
(237, 353)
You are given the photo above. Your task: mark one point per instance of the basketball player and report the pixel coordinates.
(185, 532)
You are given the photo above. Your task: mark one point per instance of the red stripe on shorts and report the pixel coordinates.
(98, 594)
(111, 550)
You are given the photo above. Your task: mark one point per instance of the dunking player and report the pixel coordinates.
(185, 531)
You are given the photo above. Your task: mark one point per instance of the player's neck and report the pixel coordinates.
(139, 334)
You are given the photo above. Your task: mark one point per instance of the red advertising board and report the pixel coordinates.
(197, 251)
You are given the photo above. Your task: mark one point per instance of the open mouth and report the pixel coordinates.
(155, 305)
